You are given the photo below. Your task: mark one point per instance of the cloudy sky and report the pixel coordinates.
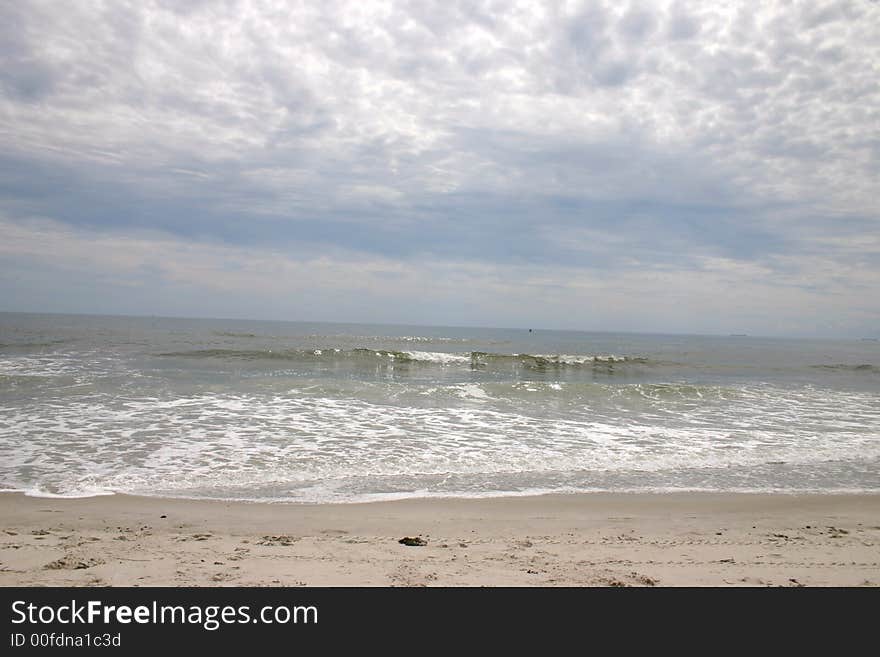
(645, 166)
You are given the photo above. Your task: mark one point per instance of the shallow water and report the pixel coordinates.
(343, 412)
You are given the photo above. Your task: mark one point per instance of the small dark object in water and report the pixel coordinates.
(163, 516)
(417, 541)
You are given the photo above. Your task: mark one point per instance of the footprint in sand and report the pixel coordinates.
(281, 540)
(238, 554)
(70, 562)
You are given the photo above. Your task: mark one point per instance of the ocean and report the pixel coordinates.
(325, 412)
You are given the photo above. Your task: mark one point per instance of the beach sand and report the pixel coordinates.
(680, 539)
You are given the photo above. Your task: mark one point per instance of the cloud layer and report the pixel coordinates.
(647, 166)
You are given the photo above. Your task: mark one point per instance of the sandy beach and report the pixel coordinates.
(553, 540)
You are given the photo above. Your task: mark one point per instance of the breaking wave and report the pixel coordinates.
(844, 367)
(473, 359)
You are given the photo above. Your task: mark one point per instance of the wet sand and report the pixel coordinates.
(680, 539)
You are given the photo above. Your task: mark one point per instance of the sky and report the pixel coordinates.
(689, 167)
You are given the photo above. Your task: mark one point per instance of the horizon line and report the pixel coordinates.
(449, 326)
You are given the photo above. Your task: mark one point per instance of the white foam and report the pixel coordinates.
(71, 494)
(472, 391)
(438, 357)
(581, 359)
(265, 442)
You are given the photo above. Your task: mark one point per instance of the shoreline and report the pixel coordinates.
(576, 539)
(382, 498)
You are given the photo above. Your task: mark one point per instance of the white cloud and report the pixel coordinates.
(216, 279)
(283, 123)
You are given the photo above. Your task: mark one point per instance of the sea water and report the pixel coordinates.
(320, 412)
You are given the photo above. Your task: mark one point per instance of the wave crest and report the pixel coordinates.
(473, 359)
(845, 367)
